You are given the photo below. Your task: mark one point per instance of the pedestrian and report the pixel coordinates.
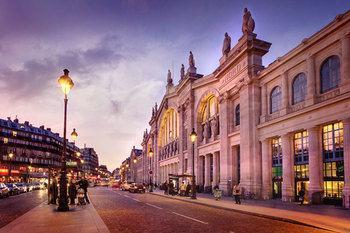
(165, 186)
(182, 189)
(301, 195)
(54, 191)
(188, 190)
(171, 188)
(84, 184)
(72, 191)
(237, 193)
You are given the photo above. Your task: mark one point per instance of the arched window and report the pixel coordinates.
(330, 74)
(299, 88)
(237, 115)
(275, 99)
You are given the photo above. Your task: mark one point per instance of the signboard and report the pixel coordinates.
(71, 164)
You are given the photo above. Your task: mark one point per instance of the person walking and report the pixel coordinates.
(182, 189)
(237, 193)
(301, 196)
(54, 191)
(188, 190)
(72, 191)
(166, 187)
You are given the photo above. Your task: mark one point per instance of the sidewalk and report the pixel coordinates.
(45, 218)
(321, 216)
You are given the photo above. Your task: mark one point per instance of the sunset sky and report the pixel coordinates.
(118, 54)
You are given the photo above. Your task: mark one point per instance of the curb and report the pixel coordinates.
(248, 213)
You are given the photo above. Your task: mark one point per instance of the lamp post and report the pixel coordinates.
(66, 84)
(193, 137)
(150, 170)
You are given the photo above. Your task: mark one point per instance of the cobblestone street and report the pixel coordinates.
(126, 212)
(15, 206)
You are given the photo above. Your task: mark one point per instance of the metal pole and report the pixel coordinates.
(193, 196)
(150, 176)
(48, 187)
(63, 200)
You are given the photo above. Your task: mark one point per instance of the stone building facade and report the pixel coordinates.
(90, 159)
(271, 129)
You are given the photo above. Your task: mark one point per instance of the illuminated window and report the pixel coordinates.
(301, 147)
(333, 189)
(14, 133)
(332, 140)
(275, 99)
(276, 157)
(6, 140)
(301, 171)
(330, 74)
(299, 88)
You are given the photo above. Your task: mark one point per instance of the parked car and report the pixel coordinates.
(14, 190)
(22, 187)
(125, 186)
(4, 190)
(116, 185)
(137, 188)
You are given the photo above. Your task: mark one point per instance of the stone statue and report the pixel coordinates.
(207, 130)
(226, 47)
(192, 67)
(156, 107)
(214, 126)
(248, 24)
(169, 79)
(182, 72)
(191, 60)
(153, 112)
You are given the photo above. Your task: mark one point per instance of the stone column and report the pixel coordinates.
(200, 180)
(345, 68)
(346, 191)
(216, 168)
(225, 152)
(263, 103)
(287, 166)
(266, 169)
(311, 81)
(207, 171)
(285, 93)
(315, 164)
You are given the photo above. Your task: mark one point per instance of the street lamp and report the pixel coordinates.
(193, 137)
(150, 153)
(66, 84)
(74, 135)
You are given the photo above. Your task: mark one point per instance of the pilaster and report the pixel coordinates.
(315, 165)
(216, 168)
(266, 169)
(346, 191)
(287, 166)
(345, 64)
(311, 81)
(285, 93)
(207, 171)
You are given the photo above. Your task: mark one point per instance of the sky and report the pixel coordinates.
(118, 54)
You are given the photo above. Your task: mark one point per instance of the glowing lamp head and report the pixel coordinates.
(11, 155)
(74, 135)
(78, 154)
(82, 160)
(150, 152)
(65, 82)
(135, 160)
(193, 136)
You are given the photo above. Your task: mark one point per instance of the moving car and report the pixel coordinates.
(125, 186)
(137, 188)
(14, 190)
(4, 190)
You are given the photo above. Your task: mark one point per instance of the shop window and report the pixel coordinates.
(333, 170)
(276, 152)
(333, 189)
(301, 147)
(330, 74)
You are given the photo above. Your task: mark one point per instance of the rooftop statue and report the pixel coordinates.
(182, 72)
(248, 24)
(169, 79)
(226, 47)
(191, 60)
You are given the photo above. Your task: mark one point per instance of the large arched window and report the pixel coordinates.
(299, 88)
(237, 115)
(275, 99)
(330, 73)
(169, 127)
